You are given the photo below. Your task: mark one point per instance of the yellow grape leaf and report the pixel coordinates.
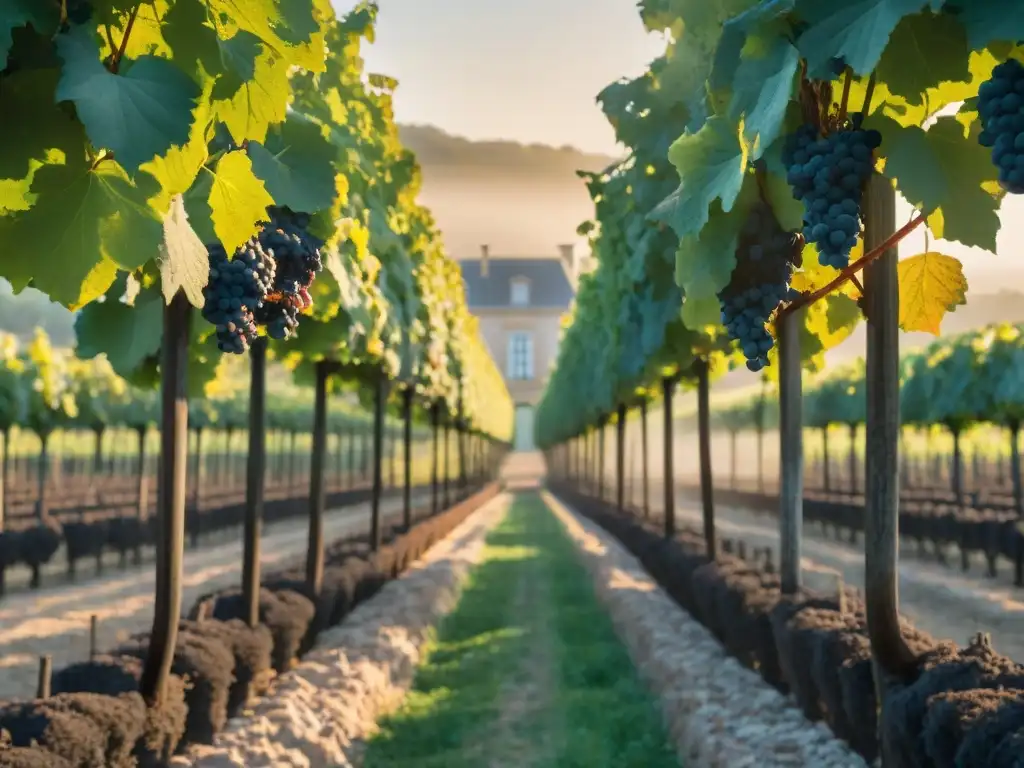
(931, 284)
(238, 200)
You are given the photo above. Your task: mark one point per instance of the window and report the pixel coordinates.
(520, 356)
(520, 292)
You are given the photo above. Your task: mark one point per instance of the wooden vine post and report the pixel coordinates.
(447, 453)
(892, 656)
(601, 423)
(620, 458)
(317, 474)
(407, 400)
(254, 482)
(645, 468)
(707, 490)
(435, 425)
(668, 385)
(380, 402)
(171, 499)
(791, 451)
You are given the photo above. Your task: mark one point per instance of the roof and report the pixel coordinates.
(549, 282)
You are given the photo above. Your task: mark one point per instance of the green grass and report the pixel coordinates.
(527, 671)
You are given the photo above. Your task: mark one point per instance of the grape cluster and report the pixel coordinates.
(765, 257)
(1001, 108)
(827, 174)
(237, 289)
(297, 255)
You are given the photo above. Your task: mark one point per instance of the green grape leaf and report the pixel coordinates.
(44, 18)
(127, 335)
(42, 126)
(734, 36)
(175, 172)
(762, 90)
(942, 168)
(931, 284)
(81, 218)
(705, 261)
(193, 39)
(855, 30)
(296, 164)
(698, 313)
(992, 20)
(788, 210)
(925, 50)
(227, 202)
(843, 312)
(258, 103)
(711, 164)
(184, 262)
(139, 113)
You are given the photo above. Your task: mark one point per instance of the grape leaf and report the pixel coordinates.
(930, 285)
(992, 20)
(734, 37)
(924, 51)
(291, 27)
(843, 313)
(175, 172)
(711, 164)
(139, 113)
(82, 216)
(127, 335)
(41, 126)
(195, 40)
(762, 90)
(296, 164)
(184, 261)
(705, 261)
(857, 31)
(257, 103)
(941, 168)
(43, 17)
(788, 210)
(698, 313)
(227, 202)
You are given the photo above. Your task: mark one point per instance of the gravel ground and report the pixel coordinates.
(56, 622)
(320, 713)
(942, 601)
(718, 713)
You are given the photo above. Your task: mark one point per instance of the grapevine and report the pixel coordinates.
(828, 173)
(237, 289)
(1001, 108)
(765, 258)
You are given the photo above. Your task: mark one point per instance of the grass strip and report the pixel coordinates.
(527, 671)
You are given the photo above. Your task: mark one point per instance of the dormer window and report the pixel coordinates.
(520, 292)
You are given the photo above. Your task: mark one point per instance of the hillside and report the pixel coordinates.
(520, 199)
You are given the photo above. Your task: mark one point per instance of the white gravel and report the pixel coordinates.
(718, 713)
(321, 712)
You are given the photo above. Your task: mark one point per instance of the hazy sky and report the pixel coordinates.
(529, 70)
(525, 69)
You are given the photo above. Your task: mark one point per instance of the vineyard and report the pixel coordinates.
(773, 152)
(263, 512)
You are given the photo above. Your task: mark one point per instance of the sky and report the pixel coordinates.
(519, 69)
(529, 70)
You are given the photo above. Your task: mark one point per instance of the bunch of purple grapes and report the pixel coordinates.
(1001, 109)
(765, 258)
(236, 290)
(828, 174)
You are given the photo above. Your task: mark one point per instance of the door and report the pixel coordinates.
(524, 428)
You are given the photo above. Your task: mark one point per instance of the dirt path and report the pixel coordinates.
(56, 622)
(939, 600)
(527, 672)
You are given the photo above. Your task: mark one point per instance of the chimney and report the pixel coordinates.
(569, 257)
(485, 253)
